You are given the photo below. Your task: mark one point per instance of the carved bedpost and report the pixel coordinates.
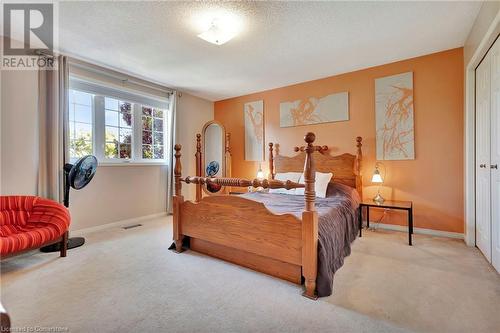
(178, 199)
(309, 172)
(310, 221)
(198, 165)
(227, 159)
(271, 161)
(227, 155)
(357, 166)
(178, 170)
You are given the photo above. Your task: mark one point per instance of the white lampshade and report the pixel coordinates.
(377, 178)
(260, 173)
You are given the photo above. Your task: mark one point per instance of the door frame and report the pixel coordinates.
(469, 130)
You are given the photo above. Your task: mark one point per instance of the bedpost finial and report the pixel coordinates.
(271, 161)
(309, 137)
(358, 145)
(177, 169)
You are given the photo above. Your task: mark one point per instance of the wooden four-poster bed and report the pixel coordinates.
(248, 233)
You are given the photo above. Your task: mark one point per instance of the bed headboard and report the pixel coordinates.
(346, 168)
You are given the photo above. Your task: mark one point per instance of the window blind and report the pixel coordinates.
(96, 79)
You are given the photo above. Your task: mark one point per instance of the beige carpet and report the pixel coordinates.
(127, 281)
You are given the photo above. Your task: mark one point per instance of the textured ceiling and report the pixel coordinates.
(281, 42)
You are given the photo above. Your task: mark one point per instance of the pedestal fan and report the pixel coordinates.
(77, 176)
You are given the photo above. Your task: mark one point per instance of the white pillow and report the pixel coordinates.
(320, 185)
(284, 176)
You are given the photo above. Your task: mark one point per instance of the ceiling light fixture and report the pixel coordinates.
(219, 28)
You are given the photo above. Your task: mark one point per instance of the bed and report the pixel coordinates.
(303, 239)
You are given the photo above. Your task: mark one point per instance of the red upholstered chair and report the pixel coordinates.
(29, 222)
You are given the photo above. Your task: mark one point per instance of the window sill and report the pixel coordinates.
(131, 164)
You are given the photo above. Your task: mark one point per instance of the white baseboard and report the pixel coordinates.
(120, 223)
(422, 231)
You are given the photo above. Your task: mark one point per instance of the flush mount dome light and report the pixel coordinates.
(220, 28)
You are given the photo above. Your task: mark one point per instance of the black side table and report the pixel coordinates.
(388, 204)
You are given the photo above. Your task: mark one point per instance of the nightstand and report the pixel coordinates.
(388, 204)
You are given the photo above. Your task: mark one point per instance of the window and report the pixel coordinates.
(152, 133)
(80, 123)
(118, 130)
(115, 126)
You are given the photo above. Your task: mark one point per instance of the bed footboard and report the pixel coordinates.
(279, 269)
(245, 225)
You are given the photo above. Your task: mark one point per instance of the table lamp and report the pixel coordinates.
(377, 179)
(260, 176)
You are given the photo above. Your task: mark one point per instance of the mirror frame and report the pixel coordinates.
(223, 156)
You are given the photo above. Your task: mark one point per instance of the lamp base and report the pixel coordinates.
(379, 199)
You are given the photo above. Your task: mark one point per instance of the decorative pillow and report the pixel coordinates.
(284, 176)
(320, 185)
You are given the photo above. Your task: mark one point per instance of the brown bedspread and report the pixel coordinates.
(337, 226)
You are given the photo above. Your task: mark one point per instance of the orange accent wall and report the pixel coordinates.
(433, 181)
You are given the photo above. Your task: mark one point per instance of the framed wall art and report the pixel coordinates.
(394, 117)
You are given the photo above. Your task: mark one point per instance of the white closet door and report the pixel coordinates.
(495, 154)
(483, 185)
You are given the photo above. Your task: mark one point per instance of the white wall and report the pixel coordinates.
(192, 114)
(117, 192)
(19, 132)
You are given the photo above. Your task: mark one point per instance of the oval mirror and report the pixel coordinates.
(213, 154)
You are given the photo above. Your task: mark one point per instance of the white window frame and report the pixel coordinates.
(99, 125)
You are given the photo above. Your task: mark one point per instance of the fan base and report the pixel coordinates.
(72, 243)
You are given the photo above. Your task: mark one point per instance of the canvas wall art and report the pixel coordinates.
(394, 117)
(254, 131)
(313, 110)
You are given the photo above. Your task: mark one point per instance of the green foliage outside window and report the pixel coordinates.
(111, 147)
(81, 146)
